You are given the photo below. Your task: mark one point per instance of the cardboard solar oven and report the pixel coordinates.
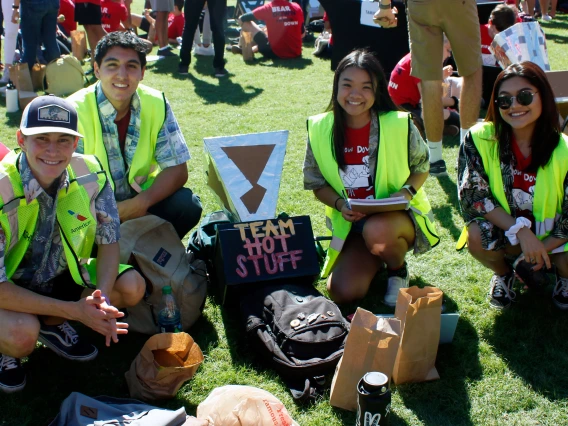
(244, 173)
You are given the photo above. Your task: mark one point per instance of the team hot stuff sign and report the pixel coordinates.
(266, 250)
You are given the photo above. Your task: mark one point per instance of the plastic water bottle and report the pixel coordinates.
(11, 97)
(169, 318)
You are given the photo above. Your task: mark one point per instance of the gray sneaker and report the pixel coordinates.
(396, 280)
(12, 374)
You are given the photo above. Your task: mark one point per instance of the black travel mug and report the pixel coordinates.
(373, 400)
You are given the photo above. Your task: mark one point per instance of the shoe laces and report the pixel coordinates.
(561, 287)
(500, 286)
(71, 336)
(8, 363)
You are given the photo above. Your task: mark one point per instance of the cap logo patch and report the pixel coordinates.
(53, 113)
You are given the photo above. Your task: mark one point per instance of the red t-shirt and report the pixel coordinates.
(357, 176)
(523, 185)
(284, 22)
(175, 25)
(403, 88)
(122, 129)
(67, 9)
(113, 14)
(485, 38)
(326, 19)
(97, 2)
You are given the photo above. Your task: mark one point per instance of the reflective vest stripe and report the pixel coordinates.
(7, 194)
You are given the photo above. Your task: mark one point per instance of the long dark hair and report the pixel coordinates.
(366, 61)
(547, 129)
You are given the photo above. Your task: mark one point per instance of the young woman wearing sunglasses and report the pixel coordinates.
(512, 186)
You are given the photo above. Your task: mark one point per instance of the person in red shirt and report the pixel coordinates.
(176, 21)
(67, 9)
(404, 90)
(284, 29)
(113, 15)
(501, 18)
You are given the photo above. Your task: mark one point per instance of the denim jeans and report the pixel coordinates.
(192, 12)
(38, 24)
(182, 209)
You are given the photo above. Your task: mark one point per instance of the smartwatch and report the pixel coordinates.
(410, 190)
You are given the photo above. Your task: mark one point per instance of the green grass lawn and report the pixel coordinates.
(502, 368)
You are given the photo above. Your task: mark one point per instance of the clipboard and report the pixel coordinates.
(371, 206)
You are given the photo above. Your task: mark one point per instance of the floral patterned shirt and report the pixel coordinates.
(476, 198)
(45, 258)
(171, 149)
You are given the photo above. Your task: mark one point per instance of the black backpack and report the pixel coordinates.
(298, 332)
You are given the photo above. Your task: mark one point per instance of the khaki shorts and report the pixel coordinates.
(428, 20)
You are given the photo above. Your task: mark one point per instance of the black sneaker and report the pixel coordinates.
(166, 52)
(501, 291)
(183, 69)
(64, 341)
(560, 293)
(12, 374)
(438, 168)
(221, 72)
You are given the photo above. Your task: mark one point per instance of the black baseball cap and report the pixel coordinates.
(49, 114)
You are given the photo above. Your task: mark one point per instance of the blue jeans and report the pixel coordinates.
(38, 24)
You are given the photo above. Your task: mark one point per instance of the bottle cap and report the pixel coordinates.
(166, 289)
(375, 381)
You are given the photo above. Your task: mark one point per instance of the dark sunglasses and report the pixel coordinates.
(524, 97)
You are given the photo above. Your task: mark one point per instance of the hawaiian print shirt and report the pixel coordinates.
(45, 258)
(476, 199)
(171, 149)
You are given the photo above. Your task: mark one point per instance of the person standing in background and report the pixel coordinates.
(428, 20)
(38, 25)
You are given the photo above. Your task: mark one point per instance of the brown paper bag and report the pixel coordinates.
(246, 44)
(163, 365)
(78, 44)
(371, 345)
(418, 310)
(38, 75)
(22, 79)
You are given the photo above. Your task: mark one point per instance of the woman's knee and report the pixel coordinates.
(386, 235)
(474, 242)
(19, 335)
(341, 291)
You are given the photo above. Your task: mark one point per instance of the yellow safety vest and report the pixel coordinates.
(75, 213)
(144, 167)
(392, 173)
(548, 189)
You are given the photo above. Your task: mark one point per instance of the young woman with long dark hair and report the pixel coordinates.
(364, 147)
(512, 184)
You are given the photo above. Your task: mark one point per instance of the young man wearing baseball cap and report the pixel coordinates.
(54, 207)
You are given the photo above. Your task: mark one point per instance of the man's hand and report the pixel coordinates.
(15, 16)
(131, 209)
(448, 71)
(386, 18)
(99, 315)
